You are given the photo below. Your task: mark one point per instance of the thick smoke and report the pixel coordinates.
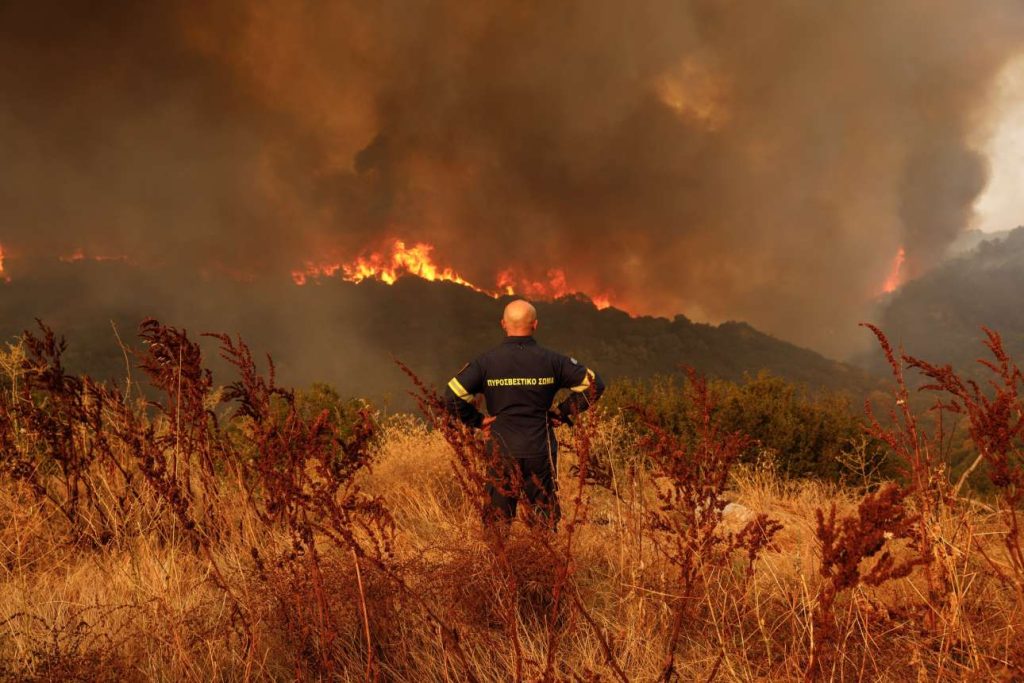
(726, 160)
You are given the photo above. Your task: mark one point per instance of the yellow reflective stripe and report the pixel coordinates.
(586, 382)
(456, 386)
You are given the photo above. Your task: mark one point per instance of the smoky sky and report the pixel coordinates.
(727, 160)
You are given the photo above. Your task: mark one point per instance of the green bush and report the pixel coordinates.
(342, 412)
(809, 435)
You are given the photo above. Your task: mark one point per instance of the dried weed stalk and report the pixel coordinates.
(845, 544)
(995, 423)
(51, 431)
(693, 477)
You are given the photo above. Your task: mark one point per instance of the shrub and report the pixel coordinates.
(806, 433)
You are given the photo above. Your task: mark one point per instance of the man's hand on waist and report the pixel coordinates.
(486, 425)
(556, 418)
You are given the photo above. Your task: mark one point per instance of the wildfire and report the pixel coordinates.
(80, 255)
(399, 260)
(3, 274)
(554, 287)
(895, 278)
(386, 267)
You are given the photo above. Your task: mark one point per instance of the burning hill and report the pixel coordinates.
(940, 315)
(397, 260)
(663, 157)
(348, 334)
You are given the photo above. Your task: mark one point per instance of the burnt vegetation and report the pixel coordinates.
(205, 531)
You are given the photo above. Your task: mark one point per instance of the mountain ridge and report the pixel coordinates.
(939, 316)
(349, 335)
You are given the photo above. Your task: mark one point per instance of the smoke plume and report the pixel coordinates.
(725, 160)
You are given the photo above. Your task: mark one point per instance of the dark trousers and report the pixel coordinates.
(530, 479)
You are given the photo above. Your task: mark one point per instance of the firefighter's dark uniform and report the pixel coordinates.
(519, 380)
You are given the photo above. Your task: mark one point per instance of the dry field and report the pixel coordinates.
(223, 533)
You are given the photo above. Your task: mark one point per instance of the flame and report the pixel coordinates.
(555, 287)
(74, 257)
(398, 260)
(387, 267)
(80, 255)
(895, 278)
(314, 270)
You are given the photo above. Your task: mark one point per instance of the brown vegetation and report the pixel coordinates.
(251, 532)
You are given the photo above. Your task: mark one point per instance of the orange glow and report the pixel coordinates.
(398, 260)
(895, 278)
(695, 93)
(3, 274)
(314, 270)
(554, 287)
(80, 255)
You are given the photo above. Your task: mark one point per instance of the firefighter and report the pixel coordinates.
(519, 380)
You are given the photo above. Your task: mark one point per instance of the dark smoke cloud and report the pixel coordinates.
(722, 159)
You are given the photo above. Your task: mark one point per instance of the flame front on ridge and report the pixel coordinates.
(80, 255)
(386, 267)
(75, 256)
(397, 260)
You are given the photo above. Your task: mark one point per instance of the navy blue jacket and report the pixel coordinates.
(519, 380)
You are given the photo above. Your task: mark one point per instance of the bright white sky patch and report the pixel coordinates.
(1001, 205)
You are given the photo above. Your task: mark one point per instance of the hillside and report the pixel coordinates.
(939, 316)
(270, 543)
(349, 335)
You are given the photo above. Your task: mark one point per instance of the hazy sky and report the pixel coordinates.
(763, 162)
(1001, 206)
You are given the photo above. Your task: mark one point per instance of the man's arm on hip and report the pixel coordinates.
(460, 392)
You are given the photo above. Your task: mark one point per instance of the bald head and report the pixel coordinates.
(520, 319)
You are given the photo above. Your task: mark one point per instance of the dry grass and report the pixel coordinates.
(201, 574)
